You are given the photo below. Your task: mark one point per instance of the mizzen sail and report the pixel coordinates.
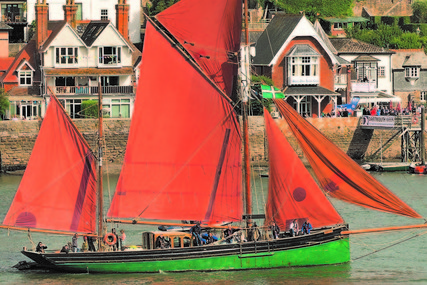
(182, 159)
(292, 192)
(210, 32)
(338, 174)
(59, 180)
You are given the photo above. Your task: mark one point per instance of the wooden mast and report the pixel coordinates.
(100, 185)
(245, 94)
(423, 126)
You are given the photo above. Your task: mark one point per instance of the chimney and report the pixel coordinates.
(122, 18)
(42, 10)
(70, 11)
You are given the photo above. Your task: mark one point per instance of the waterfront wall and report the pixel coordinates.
(17, 139)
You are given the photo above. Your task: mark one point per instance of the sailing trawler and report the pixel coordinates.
(185, 164)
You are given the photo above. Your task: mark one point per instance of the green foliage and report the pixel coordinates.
(157, 6)
(4, 102)
(406, 41)
(317, 8)
(90, 109)
(419, 9)
(257, 105)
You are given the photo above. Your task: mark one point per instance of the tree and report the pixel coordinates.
(419, 9)
(4, 102)
(158, 6)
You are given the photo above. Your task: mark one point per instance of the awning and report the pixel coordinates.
(376, 97)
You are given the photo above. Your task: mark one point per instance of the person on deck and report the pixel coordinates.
(161, 242)
(229, 232)
(85, 245)
(116, 245)
(74, 244)
(210, 238)
(122, 239)
(65, 249)
(90, 244)
(306, 227)
(294, 228)
(275, 230)
(196, 231)
(40, 247)
(254, 233)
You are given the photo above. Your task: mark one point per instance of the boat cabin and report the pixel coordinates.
(176, 239)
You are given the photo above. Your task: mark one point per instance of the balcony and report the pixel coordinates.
(92, 90)
(363, 87)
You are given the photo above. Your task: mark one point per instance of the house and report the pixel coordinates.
(299, 61)
(371, 78)
(14, 14)
(93, 10)
(409, 67)
(70, 63)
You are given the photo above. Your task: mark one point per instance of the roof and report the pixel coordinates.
(309, 90)
(253, 36)
(28, 53)
(88, 71)
(302, 50)
(5, 63)
(274, 36)
(353, 46)
(409, 57)
(93, 30)
(53, 27)
(346, 19)
(18, 93)
(365, 57)
(3, 26)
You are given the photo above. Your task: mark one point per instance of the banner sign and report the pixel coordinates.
(378, 121)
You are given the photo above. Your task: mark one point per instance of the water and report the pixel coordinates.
(404, 262)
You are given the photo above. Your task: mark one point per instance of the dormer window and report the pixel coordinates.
(25, 77)
(110, 55)
(303, 66)
(412, 71)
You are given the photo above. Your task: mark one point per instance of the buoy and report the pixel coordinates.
(110, 239)
(415, 120)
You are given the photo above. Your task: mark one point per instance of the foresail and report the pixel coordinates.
(182, 159)
(338, 174)
(292, 192)
(210, 32)
(57, 191)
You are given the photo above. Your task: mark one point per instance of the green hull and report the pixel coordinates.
(333, 252)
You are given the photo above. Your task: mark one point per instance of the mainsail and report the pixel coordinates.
(292, 192)
(210, 32)
(182, 159)
(59, 181)
(338, 174)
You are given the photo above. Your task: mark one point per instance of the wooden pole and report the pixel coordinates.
(100, 185)
(377, 230)
(423, 146)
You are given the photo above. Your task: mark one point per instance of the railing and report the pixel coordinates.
(92, 90)
(13, 19)
(363, 87)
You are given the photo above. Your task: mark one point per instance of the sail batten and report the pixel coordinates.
(59, 180)
(173, 150)
(292, 192)
(339, 175)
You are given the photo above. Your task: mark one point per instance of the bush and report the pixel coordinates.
(90, 109)
(4, 102)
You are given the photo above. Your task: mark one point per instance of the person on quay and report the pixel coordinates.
(74, 244)
(40, 247)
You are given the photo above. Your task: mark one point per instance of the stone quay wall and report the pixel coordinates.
(17, 139)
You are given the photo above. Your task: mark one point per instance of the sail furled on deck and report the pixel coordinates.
(292, 192)
(182, 159)
(338, 174)
(59, 180)
(210, 32)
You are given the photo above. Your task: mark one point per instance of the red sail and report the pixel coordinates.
(182, 159)
(292, 192)
(59, 180)
(337, 173)
(210, 31)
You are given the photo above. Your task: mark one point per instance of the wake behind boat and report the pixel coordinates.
(187, 166)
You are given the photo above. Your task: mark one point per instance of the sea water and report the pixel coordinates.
(379, 258)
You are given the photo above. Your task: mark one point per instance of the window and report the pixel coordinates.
(110, 55)
(73, 107)
(67, 56)
(339, 26)
(25, 78)
(381, 71)
(366, 70)
(304, 106)
(423, 96)
(411, 71)
(304, 66)
(118, 108)
(104, 14)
